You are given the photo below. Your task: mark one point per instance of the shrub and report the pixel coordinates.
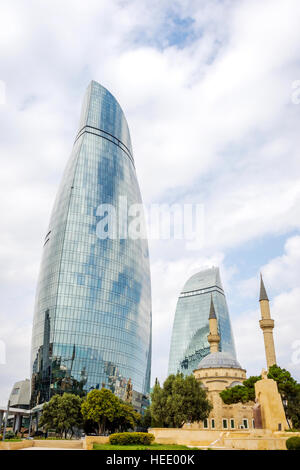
(10, 435)
(293, 443)
(128, 438)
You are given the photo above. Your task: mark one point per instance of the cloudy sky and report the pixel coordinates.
(211, 91)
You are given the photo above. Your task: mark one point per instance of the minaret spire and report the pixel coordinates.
(213, 337)
(263, 293)
(267, 324)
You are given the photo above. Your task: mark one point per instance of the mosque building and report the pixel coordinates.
(219, 370)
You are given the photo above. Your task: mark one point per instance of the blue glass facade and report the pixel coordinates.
(92, 320)
(189, 342)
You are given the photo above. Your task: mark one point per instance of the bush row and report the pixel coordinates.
(9, 435)
(127, 438)
(293, 443)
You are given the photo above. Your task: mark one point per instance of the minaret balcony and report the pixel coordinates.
(266, 323)
(213, 338)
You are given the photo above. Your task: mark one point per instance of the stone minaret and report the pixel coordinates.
(267, 325)
(213, 337)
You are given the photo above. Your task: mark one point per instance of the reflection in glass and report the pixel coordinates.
(190, 328)
(92, 321)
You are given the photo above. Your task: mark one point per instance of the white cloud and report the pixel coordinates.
(281, 277)
(280, 274)
(283, 272)
(212, 121)
(249, 337)
(15, 333)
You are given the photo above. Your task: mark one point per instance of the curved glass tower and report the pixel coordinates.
(190, 329)
(92, 320)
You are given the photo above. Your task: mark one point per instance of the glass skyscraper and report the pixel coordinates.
(92, 320)
(190, 329)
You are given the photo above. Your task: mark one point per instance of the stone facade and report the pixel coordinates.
(216, 372)
(224, 417)
(48, 444)
(254, 439)
(89, 441)
(272, 412)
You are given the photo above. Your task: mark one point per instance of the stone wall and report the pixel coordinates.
(191, 437)
(256, 439)
(89, 441)
(272, 412)
(61, 444)
(15, 445)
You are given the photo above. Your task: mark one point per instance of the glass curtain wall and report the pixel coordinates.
(92, 320)
(190, 328)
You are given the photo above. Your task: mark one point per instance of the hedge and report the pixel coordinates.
(293, 443)
(10, 435)
(127, 438)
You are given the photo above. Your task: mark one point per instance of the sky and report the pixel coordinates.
(211, 92)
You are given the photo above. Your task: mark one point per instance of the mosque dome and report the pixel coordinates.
(219, 360)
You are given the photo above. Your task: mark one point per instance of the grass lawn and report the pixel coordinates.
(12, 440)
(140, 447)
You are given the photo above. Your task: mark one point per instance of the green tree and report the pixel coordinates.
(125, 418)
(180, 400)
(287, 386)
(62, 413)
(158, 406)
(289, 390)
(146, 419)
(293, 409)
(240, 393)
(101, 407)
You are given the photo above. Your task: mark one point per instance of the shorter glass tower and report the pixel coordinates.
(190, 329)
